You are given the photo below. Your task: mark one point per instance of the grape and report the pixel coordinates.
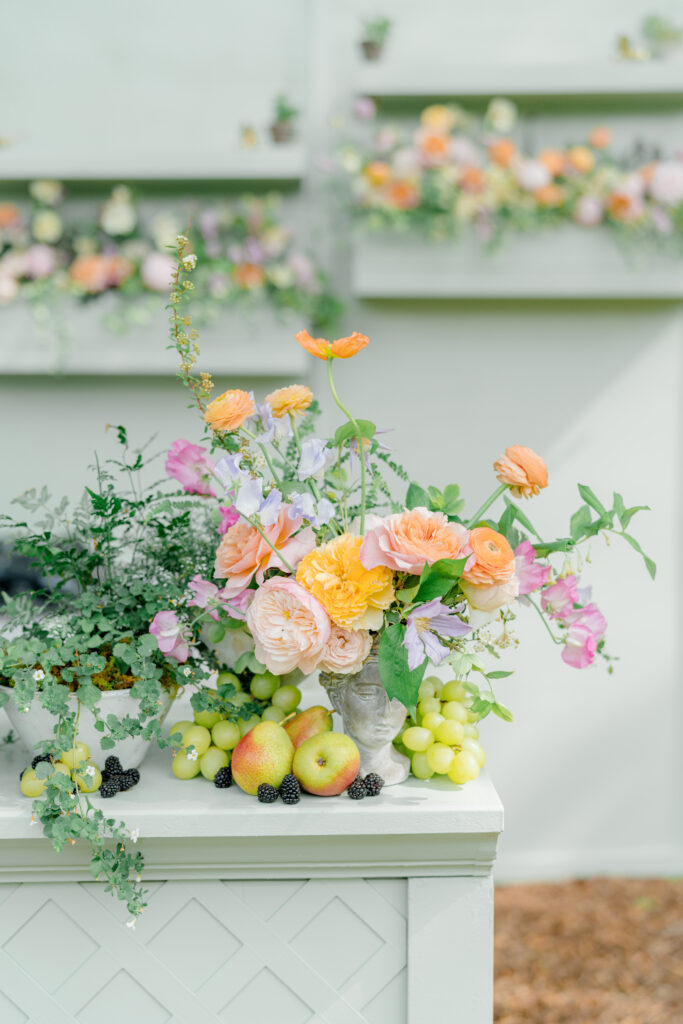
(199, 737)
(426, 689)
(450, 732)
(184, 767)
(59, 766)
(420, 767)
(211, 761)
(273, 714)
(264, 686)
(245, 725)
(225, 735)
(472, 716)
(453, 691)
(86, 781)
(432, 721)
(476, 749)
(464, 768)
(417, 739)
(30, 784)
(287, 697)
(455, 711)
(429, 704)
(75, 755)
(439, 758)
(207, 718)
(471, 731)
(225, 678)
(180, 727)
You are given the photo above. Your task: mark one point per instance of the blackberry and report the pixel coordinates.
(112, 765)
(267, 794)
(356, 790)
(372, 784)
(290, 790)
(127, 780)
(41, 757)
(223, 778)
(108, 788)
(112, 779)
(135, 775)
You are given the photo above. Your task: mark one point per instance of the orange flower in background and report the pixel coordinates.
(471, 179)
(553, 160)
(402, 195)
(295, 400)
(550, 195)
(524, 472)
(354, 597)
(95, 273)
(9, 215)
(230, 410)
(248, 275)
(647, 172)
(433, 145)
(342, 348)
(581, 159)
(494, 559)
(377, 173)
(625, 206)
(600, 137)
(502, 152)
(119, 270)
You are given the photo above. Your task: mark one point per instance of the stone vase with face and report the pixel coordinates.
(370, 719)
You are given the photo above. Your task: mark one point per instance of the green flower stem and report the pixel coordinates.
(555, 639)
(487, 504)
(361, 443)
(260, 531)
(266, 456)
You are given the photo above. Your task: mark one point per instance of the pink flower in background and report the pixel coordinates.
(588, 211)
(229, 516)
(530, 574)
(289, 626)
(41, 261)
(190, 465)
(304, 272)
(156, 271)
(531, 174)
(661, 220)
(464, 152)
(666, 183)
(170, 636)
(364, 108)
(559, 599)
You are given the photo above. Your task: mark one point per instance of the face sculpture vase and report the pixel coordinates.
(370, 719)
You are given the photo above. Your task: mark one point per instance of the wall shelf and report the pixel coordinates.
(568, 263)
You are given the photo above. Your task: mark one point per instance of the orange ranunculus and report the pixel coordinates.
(9, 215)
(354, 597)
(438, 118)
(471, 179)
(377, 172)
(524, 472)
(434, 146)
(502, 152)
(600, 137)
(295, 400)
(553, 160)
(581, 159)
(494, 559)
(342, 348)
(402, 195)
(550, 195)
(230, 410)
(248, 275)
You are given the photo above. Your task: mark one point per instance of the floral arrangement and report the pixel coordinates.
(454, 170)
(248, 257)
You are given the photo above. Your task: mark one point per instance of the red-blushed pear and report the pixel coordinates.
(263, 755)
(326, 764)
(308, 723)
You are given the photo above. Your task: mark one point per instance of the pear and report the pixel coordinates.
(264, 755)
(308, 723)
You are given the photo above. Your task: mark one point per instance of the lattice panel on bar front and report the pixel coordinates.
(328, 951)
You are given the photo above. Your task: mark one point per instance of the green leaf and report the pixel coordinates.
(407, 594)
(398, 680)
(502, 712)
(4, 697)
(43, 769)
(591, 499)
(347, 430)
(522, 518)
(107, 743)
(452, 502)
(462, 664)
(579, 522)
(248, 662)
(417, 497)
(649, 564)
(438, 579)
(498, 675)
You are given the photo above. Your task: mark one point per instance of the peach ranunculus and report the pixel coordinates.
(524, 472)
(289, 626)
(248, 275)
(502, 151)
(342, 348)
(581, 159)
(294, 399)
(435, 148)
(243, 553)
(230, 410)
(553, 160)
(377, 172)
(354, 597)
(600, 137)
(490, 598)
(407, 541)
(493, 561)
(346, 651)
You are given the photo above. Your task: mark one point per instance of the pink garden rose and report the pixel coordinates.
(407, 541)
(190, 465)
(346, 651)
(170, 636)
(530, 574)
(559, 599)
(290, 627)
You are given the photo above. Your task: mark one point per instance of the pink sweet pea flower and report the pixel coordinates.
(586, 628)
(236, 606)
(229, 516)
(170, 636)
(190, 465)
(530, 574)
(205, 595)
(559, 599)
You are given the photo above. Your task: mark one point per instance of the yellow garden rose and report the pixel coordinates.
(354, 597)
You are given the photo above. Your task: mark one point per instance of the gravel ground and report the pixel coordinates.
(604, 951)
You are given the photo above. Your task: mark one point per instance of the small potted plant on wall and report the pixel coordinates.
(282, 128)
(375, 35)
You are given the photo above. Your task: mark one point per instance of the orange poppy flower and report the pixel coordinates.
(502, 152)
(342, 348)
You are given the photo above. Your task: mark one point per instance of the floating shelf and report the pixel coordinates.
(569, 263)
(623, 78)
(23, 161)
(253, 343)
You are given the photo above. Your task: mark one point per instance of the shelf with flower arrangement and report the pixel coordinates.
(455, 209)
(84, 296)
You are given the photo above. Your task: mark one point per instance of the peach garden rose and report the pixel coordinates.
(346, 651)
(289, 626)
(407, 541)
(244, 554)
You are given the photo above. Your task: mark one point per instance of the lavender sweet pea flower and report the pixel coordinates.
(423, 624)
(228, 470)
(251, 503)
(315, 458)
(268, 428)
(303, 506)
(271, 507)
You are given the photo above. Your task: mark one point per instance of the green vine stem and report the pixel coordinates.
(361, 443)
